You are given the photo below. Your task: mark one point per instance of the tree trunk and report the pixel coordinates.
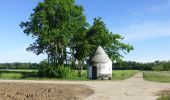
(80, 68)
(79, 72)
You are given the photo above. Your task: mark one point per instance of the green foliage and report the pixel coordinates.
(132, 65)
(98, 34)
(161, 76)
(62, 72)
(45, 70)
(53, 23)
(60, 24)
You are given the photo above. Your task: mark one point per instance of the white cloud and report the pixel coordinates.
(145, 30)
(143, 10)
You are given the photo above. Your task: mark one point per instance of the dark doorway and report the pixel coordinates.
(94, 72)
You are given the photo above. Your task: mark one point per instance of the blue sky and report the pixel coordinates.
(145, 24)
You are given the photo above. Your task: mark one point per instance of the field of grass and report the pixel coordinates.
(161, 76)
(123, 74)
(32, 75)
(17, 74)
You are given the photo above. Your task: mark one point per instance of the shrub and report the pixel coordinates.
(43, 69)
(55, 72)
(60, 72)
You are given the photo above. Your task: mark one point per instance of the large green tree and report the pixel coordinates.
(98, 34)
(53, 23)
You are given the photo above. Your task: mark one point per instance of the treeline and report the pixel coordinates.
(18, 65)
(122, 65)
(132, 65)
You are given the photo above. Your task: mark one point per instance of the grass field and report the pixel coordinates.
(17, 74)
(123, 74)
(161, 76)
(31, 75)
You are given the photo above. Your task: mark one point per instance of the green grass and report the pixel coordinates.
(10, 76)
(31, 75)
(161, 76)
(123, 74)
(17, 74)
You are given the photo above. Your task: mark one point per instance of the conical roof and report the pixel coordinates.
(100, 55)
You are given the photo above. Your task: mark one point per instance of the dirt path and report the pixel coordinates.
(134, 88)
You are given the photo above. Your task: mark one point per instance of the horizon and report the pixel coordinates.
(143, 24)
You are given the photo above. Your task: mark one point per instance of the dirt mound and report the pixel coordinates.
(40, 91)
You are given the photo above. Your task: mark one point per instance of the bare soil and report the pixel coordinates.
(34, 91)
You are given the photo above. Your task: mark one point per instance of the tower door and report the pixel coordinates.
(94, 72)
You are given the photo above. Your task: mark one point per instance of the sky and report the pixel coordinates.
(145, 24)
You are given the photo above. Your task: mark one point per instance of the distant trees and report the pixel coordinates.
(18, 65)
(161, 66)
(132, 65)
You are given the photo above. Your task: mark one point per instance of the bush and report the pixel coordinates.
(53, 72)
(45, 70)
(60, 72)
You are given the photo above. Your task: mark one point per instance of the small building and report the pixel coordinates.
(100, 65)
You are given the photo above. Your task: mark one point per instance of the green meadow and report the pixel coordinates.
(157, 76)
